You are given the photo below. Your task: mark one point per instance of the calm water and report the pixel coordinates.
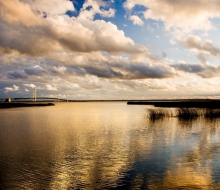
(105, 146)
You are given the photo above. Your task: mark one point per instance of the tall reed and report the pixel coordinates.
(211, 113)
(155, 114)
(184, 113)
(188, 113)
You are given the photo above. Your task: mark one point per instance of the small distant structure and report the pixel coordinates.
(8, 100)
(58, 96)
(34, 95)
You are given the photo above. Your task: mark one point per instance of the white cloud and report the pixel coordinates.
(11, 89)
(136, 20)
(92, 7)
(60, 33)
(195, 43)
(16, 12)
(87, 55)
(181, 62)
(172, 41)
(149, 28)
(89, 82)
(51, 6)
(180, 14)
(58, 70)
(50, 87)
(30, 85)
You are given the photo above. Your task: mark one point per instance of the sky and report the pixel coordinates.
(110, 49)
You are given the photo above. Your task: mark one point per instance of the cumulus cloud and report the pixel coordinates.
(182, 14)
(136, 20)
(203, 68)
(17, 75)
(15, 11)
(95, 35)
(37, 41)
(11, 89)
(195, 43)
(60, 33)
(50, 6)
(55, 51)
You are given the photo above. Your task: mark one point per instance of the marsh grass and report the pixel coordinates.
(183, 113)
(211, 113)
(156, 114)
(188, 113)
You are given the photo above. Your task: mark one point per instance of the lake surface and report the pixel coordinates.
(106, 146)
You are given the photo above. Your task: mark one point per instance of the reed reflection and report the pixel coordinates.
(194, 169)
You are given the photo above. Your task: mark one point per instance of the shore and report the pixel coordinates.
(4, 105)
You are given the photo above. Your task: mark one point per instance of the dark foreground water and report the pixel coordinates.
(105, 146)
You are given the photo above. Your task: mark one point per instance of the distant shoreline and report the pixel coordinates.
(4, 105)
(192, 103)
(188, 103)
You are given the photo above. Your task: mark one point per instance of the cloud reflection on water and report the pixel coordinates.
(103, 146)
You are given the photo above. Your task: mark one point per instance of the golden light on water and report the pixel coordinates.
(107, 145)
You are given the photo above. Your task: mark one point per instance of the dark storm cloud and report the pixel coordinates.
(141, 71)
(76, 70)
(103, 72)
(190, 68)
(17, 75)
(131, 71)
(203, 69)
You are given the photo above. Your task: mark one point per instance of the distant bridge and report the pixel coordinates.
(39, 99)
(34, 98)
